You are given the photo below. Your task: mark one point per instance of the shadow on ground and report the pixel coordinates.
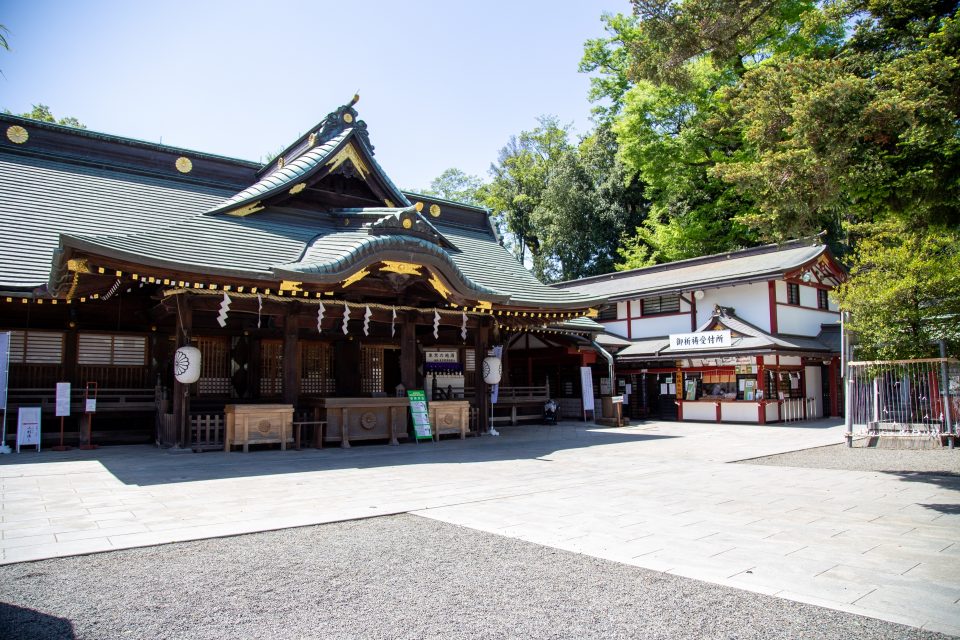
(144, 465)
(30, 624)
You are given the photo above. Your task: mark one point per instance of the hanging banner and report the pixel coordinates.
(420, 414)
(495, 391)
(63, 399)
(28, 427)
(586, 386)
(4, 360)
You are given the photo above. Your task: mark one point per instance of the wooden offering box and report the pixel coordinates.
(449, 416)
(365, 419)
(257, 424)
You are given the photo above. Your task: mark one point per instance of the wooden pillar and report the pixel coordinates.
(833, 371)
(408, 351)
(181, 392)
(481, 338)
(291, 353)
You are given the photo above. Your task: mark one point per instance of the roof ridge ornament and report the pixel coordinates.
(344, 117)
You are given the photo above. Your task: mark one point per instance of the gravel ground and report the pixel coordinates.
(391, 577)
(839, 456)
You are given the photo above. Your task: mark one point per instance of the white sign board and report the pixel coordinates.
(63, 399)
(586, 385)
(447, 355)
(91, 405)
(28, 427)
(701, 340)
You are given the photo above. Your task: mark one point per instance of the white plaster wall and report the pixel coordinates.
(616, 328)
(621, 310)
(749, 301)
(803, 322)
(738, 411)
(773, 412)
(656, 326)
(700, 411)
(808, 296)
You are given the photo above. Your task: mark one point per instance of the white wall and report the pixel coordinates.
(803, 322)
(656, 326)
(618, 328)
(750, 302)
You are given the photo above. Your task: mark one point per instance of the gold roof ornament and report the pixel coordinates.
(349, 153)
(407, 223)
(418, 206)
(439, 286)
(356, 277)
(290, 285)
(17, 134)
(281, 162)
(312, 140)
(347, 118)
(247, 210)
(297, 188)
(435, 210)
(184, 164)
(401, 267)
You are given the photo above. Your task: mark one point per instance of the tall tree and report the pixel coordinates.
(454, 184)
(759, 120)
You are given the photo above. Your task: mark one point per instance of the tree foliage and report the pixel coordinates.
(454, 184)
(42, 113)
(760, 120)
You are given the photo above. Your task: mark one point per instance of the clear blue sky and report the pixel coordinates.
(441, 83)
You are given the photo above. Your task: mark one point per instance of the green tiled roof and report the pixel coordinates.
(40, 199)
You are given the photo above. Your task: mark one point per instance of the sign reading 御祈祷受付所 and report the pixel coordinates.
(420, 414)
(701, 340)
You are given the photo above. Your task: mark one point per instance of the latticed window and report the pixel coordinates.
(111, 350)
(822, 301)
(36, 347)
(793, 293)
(660, 304)
(271, 367)
(316, 369)
(214, 366)
(371, 369)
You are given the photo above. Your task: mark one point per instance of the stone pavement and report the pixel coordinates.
(658, 495)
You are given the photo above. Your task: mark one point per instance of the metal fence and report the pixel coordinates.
(903, 397)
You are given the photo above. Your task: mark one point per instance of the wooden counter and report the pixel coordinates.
(365, 419)
(248, 424)
(449, 416)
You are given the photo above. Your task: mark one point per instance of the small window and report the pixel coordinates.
(793, 293)
(607, 313)
(822, 301)
(111, 350)
(36, 347)
(660, 304)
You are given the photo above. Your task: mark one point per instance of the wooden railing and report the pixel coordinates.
(108, 400)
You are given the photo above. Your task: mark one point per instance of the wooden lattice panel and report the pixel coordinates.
(215, 366)
(316, 369)
(271, 367)
(371, 369)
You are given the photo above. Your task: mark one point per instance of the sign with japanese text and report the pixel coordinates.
(28, 427)
(420, 414)
(63, 399)
(701, 340)
(446, 355)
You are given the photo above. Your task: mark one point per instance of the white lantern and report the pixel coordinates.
(492, 370)
(186, 365)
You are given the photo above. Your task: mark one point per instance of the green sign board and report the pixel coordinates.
(420, 414)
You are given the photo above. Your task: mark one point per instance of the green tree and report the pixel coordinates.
(453, 184)
(761, 120)
(42, 113)
(519, 179)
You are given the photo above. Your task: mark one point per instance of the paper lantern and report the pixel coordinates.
(492, 370)
(186, 365)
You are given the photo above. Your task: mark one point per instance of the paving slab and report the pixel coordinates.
(661, 496)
